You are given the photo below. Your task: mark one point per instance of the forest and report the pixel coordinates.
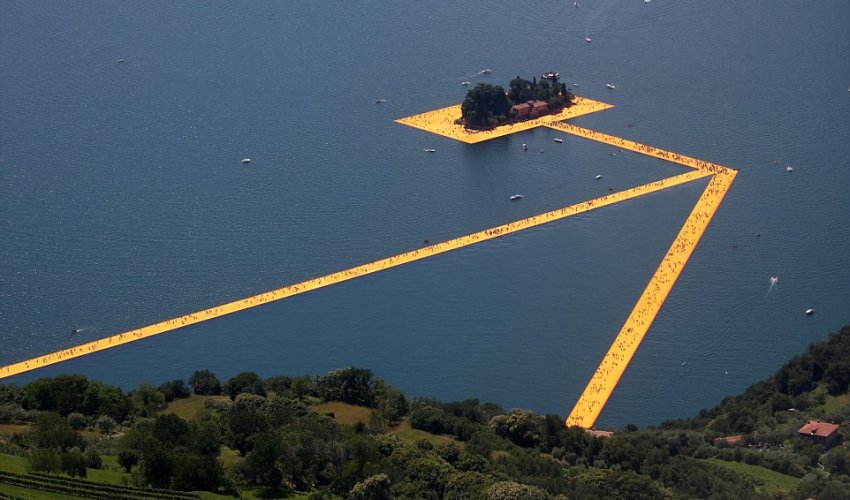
(348, 434)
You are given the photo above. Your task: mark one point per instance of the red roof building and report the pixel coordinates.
(539, 108)
(729, 440)
(820, 432)
(522, 109)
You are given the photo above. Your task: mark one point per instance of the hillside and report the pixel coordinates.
(348, 434)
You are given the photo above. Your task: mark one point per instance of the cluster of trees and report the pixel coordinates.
(485, 452)
(486, 106)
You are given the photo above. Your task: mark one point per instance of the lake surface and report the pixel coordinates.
(123, 201)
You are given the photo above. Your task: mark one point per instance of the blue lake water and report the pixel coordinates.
(123, 201)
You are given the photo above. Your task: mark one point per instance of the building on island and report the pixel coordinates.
(522, 110)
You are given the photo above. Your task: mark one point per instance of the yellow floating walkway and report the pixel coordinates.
(608, 374)
(637, 147)
(613, 365)
(338, 277)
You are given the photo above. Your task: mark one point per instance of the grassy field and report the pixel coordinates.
(773, 481)
(17, 492)
(345, 413)
(409, 435)
(11, 463)
(189, 407)
(14, 428)
(111, 472)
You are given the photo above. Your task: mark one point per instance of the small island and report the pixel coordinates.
(488, 106)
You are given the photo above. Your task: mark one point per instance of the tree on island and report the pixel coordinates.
(487, 106)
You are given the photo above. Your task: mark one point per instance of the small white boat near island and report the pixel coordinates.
(430, 150)
(599, 176)
(486, 71)
(245, 161)
(515, 197)
(525, 146)
(465, 83)
(610, 85)
(558, 140)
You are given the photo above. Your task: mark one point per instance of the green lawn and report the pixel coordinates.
(773, 481)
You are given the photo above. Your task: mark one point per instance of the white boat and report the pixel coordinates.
(379, 101)
(245, 161)
(516, 197)
(789, 168)
(525, 146)
(576, 85)
(598, 177)
(119, 60)
(587, 39)
(486, 71)
(575, 4)
(610, 85)
(558, 140)
(810, 311)
(430, 150)
(466, 83)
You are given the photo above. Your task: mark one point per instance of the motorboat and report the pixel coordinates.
(525, 146)
(486, 71)
(119, 60)
(610, 86)
(516, 197)
(465, 83)
(430, 150)
(575, 84)
(810, 311)
(789, 168)
(587, 39)
(245, 161)
(599, 176)
(76, 330)
(558, 140)
(379, 101)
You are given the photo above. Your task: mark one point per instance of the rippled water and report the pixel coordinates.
(123, 202)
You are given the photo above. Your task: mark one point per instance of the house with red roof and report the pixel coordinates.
(820, 432)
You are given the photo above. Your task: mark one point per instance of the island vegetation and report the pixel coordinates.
(348, 434)
(487, 106)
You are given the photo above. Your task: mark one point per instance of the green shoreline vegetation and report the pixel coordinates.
(488, 106)
(348, 434)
